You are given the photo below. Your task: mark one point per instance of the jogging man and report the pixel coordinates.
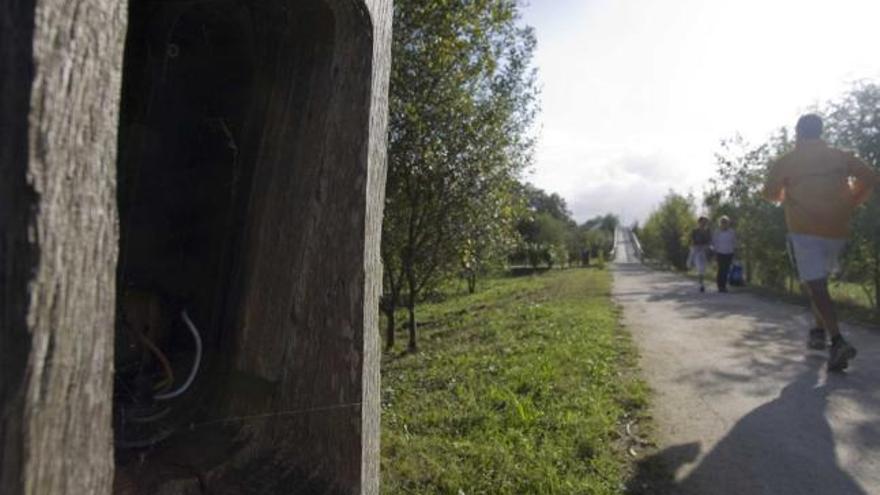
(820, 188)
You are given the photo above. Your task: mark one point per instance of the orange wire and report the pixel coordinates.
(163, 361)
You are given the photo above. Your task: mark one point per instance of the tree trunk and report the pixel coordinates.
(411, 298)
(389, 308)
(411, 325)
(389, 303)
(60, 71)
(472, 282)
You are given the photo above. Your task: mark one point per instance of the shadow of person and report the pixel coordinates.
(784, 447)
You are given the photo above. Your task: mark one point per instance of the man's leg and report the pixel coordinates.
(823, 307)
(841, 352)
(816, 258)
(818, 338)
(723, 271)
(816, 316)
(700, 263)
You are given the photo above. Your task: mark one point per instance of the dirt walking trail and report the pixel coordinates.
(742, 407)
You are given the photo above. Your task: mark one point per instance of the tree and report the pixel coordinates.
(550, 238)
(607, 222)
(853, 122)
(599, 234)
(539, 201)
(547, 232)
(462, 102)
(490, 233)
(665, 233)
(599, 242)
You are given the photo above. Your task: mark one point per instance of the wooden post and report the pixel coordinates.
(310, 288)
(305, 295)
(60, 71)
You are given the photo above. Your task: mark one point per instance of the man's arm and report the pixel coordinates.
(864, 178)
(774, 186)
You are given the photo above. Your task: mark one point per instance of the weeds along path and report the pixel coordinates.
(742, 407)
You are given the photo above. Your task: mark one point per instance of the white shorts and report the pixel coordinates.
(815, 257)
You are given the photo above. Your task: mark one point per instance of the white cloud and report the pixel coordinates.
(628, 185)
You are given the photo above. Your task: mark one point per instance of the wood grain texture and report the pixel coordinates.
(381, 15)
(312, 276)
(62, 403)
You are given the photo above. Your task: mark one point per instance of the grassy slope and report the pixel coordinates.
(521, 388)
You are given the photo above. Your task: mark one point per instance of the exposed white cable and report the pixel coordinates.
(196, 362)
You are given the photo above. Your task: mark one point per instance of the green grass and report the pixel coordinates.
(850, 293)
(521, 388)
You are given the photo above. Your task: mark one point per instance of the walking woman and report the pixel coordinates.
(723, 244)
(701, 238)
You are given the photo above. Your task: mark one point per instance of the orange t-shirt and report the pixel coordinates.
(819, 187)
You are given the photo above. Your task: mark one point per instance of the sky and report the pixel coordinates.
(636, 95)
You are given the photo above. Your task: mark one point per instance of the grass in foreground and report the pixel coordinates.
(522, 388)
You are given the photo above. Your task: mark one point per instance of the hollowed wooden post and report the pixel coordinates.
(299, 291)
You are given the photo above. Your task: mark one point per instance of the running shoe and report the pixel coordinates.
(839, 356)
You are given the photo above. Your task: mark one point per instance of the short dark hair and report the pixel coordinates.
(809, 126)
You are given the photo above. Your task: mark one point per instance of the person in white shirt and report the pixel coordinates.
(723, 244)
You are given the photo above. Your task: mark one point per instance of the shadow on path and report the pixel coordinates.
(783, 447)
(675, 288)
(769, 345)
